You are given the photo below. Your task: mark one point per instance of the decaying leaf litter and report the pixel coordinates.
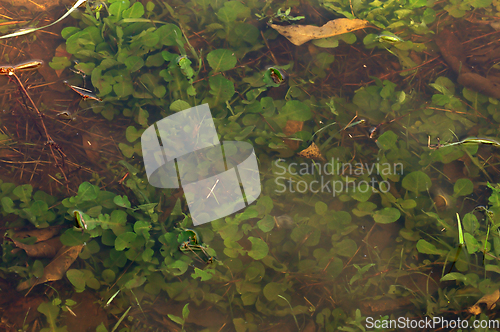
(396, 124)
(56, 269)
(300, 34)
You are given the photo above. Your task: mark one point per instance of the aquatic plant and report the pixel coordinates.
(309, 252)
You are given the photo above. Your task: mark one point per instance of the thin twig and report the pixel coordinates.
(272, 54)
(49, 141)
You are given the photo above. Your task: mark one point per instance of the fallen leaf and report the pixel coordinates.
(490, 301)
(312, 152)
(291, 128)
(36, 242)
(40, 234)
(46, 249)
(56, 269)
(300, 34)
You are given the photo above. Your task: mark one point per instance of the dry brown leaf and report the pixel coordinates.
(46, 249)
(44, 243)
(489, 299)
(312, 152)
(291, 128)
(40, 234)
(56, 269)
(300, 34)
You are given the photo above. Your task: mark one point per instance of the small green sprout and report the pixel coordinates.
(280, 16)
(460, 232)
(178, 320)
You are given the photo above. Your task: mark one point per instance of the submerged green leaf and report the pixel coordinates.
(203, 275)
(179, 105)
(132, 134)
(124, 240)
(169, 34)
(454, 276)
(117, 7)
(386, 215)
(321, 208)
(416, 182)
(425, 247)
(122, 201)
(221, 89)
(77, 278)
(259, 248)
(272, 290)
(221, 60)
(134, 63)
(463, 187)
(136, 11)
(23, 192)
(87, 191)
(266, 224)
(123, 89)
(51, 312)
(59, 63)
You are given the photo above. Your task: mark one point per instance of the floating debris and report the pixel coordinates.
(84, 93)
(66, 115)
(284, 221)
(312, 152)
(300, 34)
(490, 301)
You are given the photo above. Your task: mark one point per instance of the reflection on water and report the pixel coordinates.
(378, 153)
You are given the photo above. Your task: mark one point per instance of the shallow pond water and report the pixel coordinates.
(365, 198)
